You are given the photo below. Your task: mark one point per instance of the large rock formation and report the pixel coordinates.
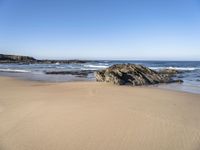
(130, 74)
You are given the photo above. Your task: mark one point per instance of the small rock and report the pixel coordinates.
(170, 71)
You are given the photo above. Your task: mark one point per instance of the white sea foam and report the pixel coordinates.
(59, 67)
(89, 69)
(96, 66)
(14, 70)
(176, 68)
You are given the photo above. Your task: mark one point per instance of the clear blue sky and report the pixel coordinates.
(101, 29)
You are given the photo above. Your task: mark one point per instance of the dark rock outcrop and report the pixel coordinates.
(130, 74)
(80, 73)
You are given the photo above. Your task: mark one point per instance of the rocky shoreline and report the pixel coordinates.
(119, 74)
(30, 60)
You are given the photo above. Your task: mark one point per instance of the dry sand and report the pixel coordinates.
(96, 116)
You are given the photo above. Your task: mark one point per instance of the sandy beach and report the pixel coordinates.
(96, 116)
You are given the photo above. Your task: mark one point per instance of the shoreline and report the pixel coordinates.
(160, 86)
(81, 72)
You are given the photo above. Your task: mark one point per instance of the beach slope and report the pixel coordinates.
(96, 116)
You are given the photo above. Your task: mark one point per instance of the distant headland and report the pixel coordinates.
(31, 60)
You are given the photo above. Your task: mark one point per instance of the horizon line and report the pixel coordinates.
(99, 59)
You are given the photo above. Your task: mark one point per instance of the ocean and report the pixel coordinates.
(37, 72)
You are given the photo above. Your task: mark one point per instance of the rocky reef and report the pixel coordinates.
(31, 60)
(171, 72)
(131, 74)
(78, 73)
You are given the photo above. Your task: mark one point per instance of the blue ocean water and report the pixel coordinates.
(191, 75)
